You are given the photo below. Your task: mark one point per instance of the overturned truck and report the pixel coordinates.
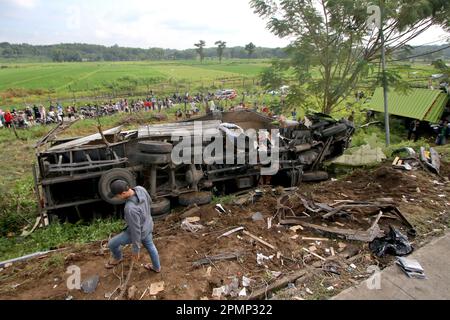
(73, 176)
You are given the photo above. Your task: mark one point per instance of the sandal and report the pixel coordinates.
(149, 267)
(112, 265)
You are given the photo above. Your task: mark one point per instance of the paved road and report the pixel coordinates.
(395, 285)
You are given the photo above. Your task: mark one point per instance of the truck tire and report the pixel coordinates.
(146, 158)
(334, 130)
(104, 184)
(160, 209)
(198, 198)
(315, 176)
(153, 147)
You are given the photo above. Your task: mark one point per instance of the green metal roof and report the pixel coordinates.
(420, 104)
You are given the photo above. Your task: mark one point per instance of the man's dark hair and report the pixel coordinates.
(118, 187)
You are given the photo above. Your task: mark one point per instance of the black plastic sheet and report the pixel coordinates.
(395, 243)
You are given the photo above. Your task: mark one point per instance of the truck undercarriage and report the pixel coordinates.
(73, 177)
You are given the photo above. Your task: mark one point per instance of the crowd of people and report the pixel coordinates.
(55, 113)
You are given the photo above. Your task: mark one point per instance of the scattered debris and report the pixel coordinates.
(191, 227)
(217, 292)
(259, 240)
(156, 288)
(411, 267)
(281, 283)
(296, 228)
(143, 294)
(395, 243)
(275, 274)
(132, 291)
(90, 285)
(231, 289)
(269, 223)
(431, 159)
(246, 282)
(243, 292)
(314, 239)
(229, 233)
(220, 208)
(193, 219)
(314, 254)
(260, 258)
(257, 217)
(220, 257)
(367, 236)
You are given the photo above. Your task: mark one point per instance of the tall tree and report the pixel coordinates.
(332, 40)
(250, 48)
(221, 45)
(200, 49)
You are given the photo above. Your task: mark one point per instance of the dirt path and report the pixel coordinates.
(422, 199)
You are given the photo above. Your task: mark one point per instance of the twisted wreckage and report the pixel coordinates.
(73, 176)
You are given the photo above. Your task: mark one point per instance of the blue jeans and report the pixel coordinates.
(124, 239)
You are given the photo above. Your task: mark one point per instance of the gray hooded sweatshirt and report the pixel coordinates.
(138, 217)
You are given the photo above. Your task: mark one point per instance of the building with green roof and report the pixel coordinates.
(421, 104)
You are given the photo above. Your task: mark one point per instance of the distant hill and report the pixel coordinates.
(78, 52)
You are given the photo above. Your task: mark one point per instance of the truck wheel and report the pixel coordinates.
(146, 158)
(334, 130)
(315, 176)
(155, 147)
(104, 185)
(160, 208)
(198, 198)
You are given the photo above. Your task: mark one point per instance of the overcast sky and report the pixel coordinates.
(174, 24)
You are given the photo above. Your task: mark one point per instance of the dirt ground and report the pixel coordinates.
(421, 196)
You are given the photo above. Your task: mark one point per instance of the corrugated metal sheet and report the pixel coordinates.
(421, 104)
(435, 112)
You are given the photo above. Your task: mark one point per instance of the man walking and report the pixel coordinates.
(140, 226)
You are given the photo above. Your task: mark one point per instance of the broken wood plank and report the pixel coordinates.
(396, 160)
(226, 234)
(281, 283)
(314, 254)
(220, 257)
(295, 228)
(314, 239)
(259, 240)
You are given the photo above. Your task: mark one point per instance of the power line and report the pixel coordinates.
(423, 45)
(421, 55)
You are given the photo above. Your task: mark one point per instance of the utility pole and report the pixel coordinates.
(376, 18)
(385, 85)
